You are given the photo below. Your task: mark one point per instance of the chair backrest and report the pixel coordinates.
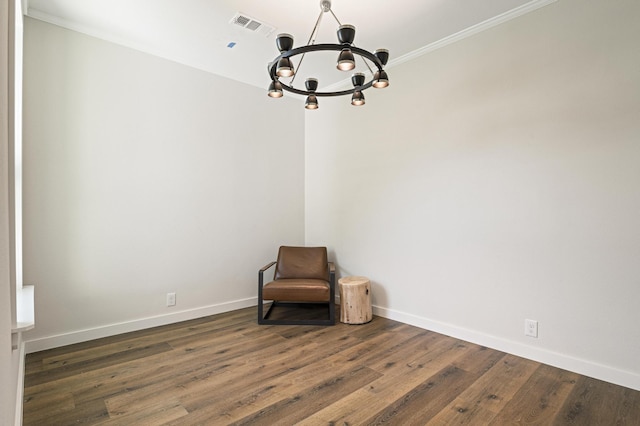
(302, 262)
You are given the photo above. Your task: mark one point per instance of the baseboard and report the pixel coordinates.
(49, 342)
(566, 362)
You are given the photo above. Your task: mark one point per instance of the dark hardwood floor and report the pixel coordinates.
(226, 369)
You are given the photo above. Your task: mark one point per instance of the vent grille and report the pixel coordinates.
(252, 24)
(241, 20)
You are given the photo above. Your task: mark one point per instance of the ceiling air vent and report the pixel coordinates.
(251, 24)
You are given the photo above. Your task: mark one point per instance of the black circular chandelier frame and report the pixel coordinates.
(319, 48)
(282, 66)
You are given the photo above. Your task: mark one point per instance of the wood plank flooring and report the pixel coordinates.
(226, 369)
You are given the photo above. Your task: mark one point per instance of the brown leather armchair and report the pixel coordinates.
(302, 275)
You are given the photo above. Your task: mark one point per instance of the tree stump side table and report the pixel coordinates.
(355, 300)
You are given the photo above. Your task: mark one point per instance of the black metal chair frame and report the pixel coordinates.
(264, 318)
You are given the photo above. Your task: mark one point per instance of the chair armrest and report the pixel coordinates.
(267, 266)
(332, 273)
(260, 276)
(332, 282)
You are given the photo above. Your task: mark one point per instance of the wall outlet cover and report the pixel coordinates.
(531, 328)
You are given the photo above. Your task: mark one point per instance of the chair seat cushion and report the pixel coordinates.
(297, 290)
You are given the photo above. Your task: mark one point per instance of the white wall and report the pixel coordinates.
(143, 177)
(498, 179)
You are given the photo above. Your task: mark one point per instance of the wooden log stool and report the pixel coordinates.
(355, 300)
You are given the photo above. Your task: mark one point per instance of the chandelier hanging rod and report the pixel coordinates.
(312, 37)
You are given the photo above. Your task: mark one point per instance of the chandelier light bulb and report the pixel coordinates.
(311, 102)
(357, 99)
(275, 89)
(346, 61)
(285, 68)
(380, 80)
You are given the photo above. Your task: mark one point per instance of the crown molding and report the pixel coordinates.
(473, 30)
(460, 35)
(346, 83)
(87, 29)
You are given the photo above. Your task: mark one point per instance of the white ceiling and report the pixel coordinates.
(197, 32)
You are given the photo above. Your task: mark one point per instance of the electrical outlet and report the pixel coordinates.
(531, 328)
(171, 299)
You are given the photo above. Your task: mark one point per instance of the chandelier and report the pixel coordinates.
(282, 66)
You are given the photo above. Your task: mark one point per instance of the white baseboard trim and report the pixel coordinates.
(566, 362)
(49, 342)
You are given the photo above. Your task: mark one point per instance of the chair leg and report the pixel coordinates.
(266, 316)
